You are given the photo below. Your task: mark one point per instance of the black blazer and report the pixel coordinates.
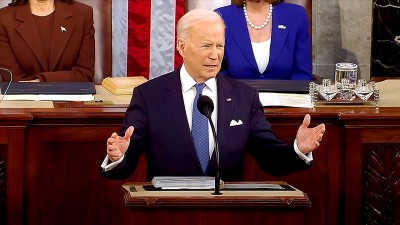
(162, 132)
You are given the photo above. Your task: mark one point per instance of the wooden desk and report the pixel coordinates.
(51, 159)
(160, 207)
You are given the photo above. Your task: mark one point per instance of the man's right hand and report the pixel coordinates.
(117, 145)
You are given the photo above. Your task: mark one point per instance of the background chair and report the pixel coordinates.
(103, 35)
(307, 4)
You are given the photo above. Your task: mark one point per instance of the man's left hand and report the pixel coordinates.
(308, 139)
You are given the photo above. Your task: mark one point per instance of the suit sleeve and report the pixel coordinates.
(272, 155)
(302, 68)
(135, 116)
(7, 58)
(83, 70)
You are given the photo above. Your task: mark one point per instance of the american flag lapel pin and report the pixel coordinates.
(283, 27)
(63, 29)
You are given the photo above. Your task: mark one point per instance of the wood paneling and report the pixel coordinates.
(52, 161)
(201, 207)
(3, 185)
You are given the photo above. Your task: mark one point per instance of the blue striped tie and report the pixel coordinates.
(200, 130)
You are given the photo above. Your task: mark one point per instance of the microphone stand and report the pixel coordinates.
(216, 150)
(206, 106)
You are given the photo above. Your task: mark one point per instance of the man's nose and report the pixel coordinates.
(213, 53)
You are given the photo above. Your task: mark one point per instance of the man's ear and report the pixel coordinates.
(180, 46)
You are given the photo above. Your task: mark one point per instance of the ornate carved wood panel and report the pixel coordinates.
(381, 185)
(3, 190)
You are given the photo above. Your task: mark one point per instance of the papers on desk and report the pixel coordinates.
(48, 88)
(48, 97)
(192, 182)
(253, 186)
(285, 99)
(48, 91)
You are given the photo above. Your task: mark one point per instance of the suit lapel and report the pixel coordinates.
(280, 30)
(174, 101)
(30, 34)
(176, 110)
(237, 27)
(226, 103)
(63, 27)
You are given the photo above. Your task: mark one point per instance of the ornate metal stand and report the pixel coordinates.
(344, 92)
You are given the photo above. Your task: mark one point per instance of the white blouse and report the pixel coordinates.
(261, 52)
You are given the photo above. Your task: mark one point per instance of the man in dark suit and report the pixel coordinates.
(159, 120)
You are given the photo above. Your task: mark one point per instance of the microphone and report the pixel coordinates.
(8, 85)
(206, 107)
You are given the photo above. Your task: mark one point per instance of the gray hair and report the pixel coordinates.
(188, 21)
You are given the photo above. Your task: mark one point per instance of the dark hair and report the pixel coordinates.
(241, 2)
(18, 2)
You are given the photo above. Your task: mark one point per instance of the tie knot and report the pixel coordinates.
(199, 88)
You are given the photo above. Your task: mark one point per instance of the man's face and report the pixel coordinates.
(203, 51)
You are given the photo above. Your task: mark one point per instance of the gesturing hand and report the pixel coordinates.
(117, 145)
(308, 139)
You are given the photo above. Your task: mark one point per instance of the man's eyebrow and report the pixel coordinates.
(206, 41)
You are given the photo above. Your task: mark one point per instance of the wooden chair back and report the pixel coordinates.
(103, 37)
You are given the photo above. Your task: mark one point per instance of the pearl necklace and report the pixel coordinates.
(251, 23)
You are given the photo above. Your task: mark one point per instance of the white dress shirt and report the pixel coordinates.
(189, 93)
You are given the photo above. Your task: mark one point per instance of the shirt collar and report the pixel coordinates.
(188, 82)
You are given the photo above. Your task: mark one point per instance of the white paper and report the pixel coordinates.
(253, 186)
(285, 99)
(191, 182)
(43, 97)
(26, 104)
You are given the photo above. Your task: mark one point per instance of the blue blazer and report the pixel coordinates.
(290, 52)
(162, 133)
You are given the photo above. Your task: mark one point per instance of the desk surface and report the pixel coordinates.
(37, 146)
(139, 197)
(389, 93)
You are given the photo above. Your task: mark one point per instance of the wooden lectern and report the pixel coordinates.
(239, 206)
